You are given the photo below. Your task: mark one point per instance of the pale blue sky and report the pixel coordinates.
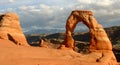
(52, 14)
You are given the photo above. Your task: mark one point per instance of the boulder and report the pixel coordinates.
(10, 29)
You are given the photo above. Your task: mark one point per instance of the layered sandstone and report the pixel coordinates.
(99, 39)
(10, 29)
(99, 42)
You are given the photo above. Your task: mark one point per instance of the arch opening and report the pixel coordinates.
(82, 38)
(80, 27)
(81, 33)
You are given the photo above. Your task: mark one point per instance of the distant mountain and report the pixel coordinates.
(42, 31)
(112, 32)
(48, 31)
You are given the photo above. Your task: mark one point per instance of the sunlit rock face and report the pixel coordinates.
(10, 29)
(100, 45)
(99, 39)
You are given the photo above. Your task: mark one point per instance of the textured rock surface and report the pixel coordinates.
(99, 42)
(10, 29)
(99, 39)
(23, 55)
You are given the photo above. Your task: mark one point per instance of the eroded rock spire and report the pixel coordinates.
(10, 29)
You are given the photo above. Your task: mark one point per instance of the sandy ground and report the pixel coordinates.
(11, 54)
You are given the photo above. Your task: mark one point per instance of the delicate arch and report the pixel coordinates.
(99, 39)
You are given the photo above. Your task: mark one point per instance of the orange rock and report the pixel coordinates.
(10, 29)
(22, 55)
(42, 43)
(99, 39)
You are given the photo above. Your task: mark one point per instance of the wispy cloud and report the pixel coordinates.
(11, 1)
(53, 13)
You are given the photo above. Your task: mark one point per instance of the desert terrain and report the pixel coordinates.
(15, 49)
(25, 55)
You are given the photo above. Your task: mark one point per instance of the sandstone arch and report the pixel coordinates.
(99, 39)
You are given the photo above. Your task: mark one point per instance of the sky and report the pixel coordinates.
(52, 14)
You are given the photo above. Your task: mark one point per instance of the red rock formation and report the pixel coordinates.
(10, 29)
(100, 45)
(99, 39)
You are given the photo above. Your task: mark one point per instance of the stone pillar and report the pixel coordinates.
(99, 39)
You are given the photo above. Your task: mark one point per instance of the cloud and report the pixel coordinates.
(43, 16)
(46, 8)
(53, 14)
(104, 2)
(85, 1)
(96, 2)
(11, 1)
(4, 2)
(104, 10)
(27, 7)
